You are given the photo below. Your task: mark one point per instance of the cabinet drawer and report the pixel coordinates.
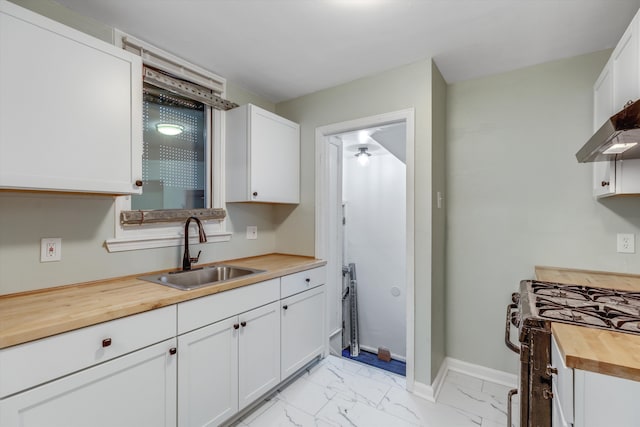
(298, 282)
(27, 365)
(562, 383)
(203, 311)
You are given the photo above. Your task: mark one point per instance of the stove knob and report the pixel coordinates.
(547, 394)
(551, 370)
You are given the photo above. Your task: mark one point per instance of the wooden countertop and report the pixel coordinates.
(591, 349)
(37, 314)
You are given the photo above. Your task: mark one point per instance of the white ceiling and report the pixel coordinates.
(282, 49)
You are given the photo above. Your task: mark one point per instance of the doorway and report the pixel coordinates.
(377, 234)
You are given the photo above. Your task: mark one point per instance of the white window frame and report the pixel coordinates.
(167, 235)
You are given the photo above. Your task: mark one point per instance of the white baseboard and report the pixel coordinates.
(431, 392)
(482, 372)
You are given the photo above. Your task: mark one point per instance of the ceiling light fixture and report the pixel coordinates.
(363, 156)
(169, 129)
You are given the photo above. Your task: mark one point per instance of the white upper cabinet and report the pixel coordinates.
(618, 83)
(624, 63)
(262, 157)
(70, 108)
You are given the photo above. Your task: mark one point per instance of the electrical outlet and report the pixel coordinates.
(50, 249)
(626, 243)
(252, 232)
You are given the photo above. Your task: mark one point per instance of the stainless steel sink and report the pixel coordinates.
(192, 279)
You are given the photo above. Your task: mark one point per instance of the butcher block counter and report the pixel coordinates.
(591, 349)
(37, 314)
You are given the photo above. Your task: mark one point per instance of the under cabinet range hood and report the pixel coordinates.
(618, 138)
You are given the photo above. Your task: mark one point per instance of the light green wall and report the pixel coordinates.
(517, 196)
(85, 222)
(398, 89)
(438, 240)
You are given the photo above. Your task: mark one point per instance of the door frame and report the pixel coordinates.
(322, 211)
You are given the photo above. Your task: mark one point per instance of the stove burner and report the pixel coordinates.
(583, 305)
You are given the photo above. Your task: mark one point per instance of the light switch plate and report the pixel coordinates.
(252, 232)
(50, 249)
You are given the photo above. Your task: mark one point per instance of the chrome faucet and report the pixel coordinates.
(186, 259)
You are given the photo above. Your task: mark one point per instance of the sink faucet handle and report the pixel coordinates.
(196, 258)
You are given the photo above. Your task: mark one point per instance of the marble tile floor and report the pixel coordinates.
(338, 392)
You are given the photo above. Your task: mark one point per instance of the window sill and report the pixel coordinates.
(132, 243)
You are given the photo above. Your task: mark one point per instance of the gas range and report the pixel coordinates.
(532, 311)
(583, 305)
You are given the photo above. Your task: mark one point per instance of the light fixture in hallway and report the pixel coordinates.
(363, 156)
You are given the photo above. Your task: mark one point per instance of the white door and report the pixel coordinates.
(208, 374)
(259, 352)
(138, 389)
(302, 329)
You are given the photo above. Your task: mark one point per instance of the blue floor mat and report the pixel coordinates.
(395, 366)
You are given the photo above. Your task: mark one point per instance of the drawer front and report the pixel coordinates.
(204, 311)
(27, 365)
(298, 282)
(562, 383)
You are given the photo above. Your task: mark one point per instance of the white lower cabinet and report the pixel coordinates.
(259, 353)
(138, 389)
(226, 366)
(587, 399)
(225, 352)
(208, 380)
(302, 327)
(229, 352)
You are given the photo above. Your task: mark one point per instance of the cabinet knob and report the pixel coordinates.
(307, 280)
(255, 194)
(284, 307)
(106, 342)
(173, 351)
(604, 183)
(236, 326)
(139, 183)
(243, 324)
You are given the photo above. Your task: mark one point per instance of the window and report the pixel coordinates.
(183, 171)
(175, 148)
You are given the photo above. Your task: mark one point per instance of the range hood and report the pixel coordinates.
(618, 138)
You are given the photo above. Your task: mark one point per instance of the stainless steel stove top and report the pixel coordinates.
(582, 305)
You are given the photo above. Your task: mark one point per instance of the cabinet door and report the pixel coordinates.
(138, 389)
(275, 158)
(208, 374)
(603, 400)
(70, 108)
(603, 172)
(303, 317)
(603, 96)
(604, 178)
(259, 352)
(625, 68)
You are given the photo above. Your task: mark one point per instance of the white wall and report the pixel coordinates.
(518, 198)
(375, 197)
